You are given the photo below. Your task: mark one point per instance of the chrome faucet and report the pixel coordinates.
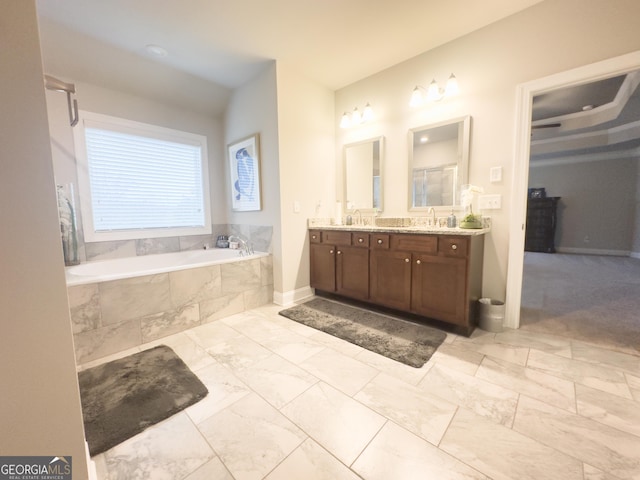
(245, 247)
(433, 216)
(359, 221)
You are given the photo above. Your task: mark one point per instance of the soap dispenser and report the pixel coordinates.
(451, 220)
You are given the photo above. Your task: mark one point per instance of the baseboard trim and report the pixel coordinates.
(634, 254)
(91, 465)
(286, 299)
(594, 251)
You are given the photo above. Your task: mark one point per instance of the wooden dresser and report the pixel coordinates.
(541, 224)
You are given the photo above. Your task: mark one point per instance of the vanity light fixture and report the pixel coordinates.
(434, 93)
(356, 118)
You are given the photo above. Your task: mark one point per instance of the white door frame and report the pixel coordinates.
(520, 166)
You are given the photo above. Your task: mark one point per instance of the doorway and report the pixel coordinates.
(525, 94)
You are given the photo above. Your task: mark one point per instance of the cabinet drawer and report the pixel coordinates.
(315, 236)
(380, 240)
(336, 238)
(453, 246)
(360, 240)
(415, 243)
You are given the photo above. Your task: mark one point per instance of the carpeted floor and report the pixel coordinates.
(123, 397)
(401, 340)
(595, 299)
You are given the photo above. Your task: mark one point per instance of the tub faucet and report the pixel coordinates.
(245, 247)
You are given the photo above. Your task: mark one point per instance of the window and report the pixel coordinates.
(140, 181)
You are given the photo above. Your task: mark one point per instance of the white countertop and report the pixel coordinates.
(426, 230)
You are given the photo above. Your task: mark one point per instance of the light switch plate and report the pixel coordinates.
(495, 174)
(490, 202)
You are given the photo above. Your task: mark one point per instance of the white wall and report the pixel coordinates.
(40, 402)
(307, 172)
(550, 37)
(253, 109)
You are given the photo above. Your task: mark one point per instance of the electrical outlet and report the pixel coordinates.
(490, 202)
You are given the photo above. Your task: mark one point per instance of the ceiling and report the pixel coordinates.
(214, 46)
(335, 42)
(596, 117)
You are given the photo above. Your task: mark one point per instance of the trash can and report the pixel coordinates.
(491, 315)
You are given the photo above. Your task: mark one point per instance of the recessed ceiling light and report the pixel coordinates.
(156, 50)
(424, 139)
(586, 108)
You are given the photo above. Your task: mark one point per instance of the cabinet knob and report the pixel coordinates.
(360, 240)
(330, 251)
(379, 241)
(406, 260)
(454, 247)
(313, 236)
(339, 252)
(418, 262)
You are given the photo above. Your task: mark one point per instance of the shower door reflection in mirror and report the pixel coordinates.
(438, 163)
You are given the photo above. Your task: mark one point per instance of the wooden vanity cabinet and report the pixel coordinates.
(340, 262)
(390, 279)
(323, 267)
(438, 288)
(434, 276)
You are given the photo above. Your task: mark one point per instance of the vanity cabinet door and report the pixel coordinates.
(352, 272)
(391, 278)
(323, 266)
(438, 288)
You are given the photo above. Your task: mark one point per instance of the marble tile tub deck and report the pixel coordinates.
(288, 402)
(111, 316)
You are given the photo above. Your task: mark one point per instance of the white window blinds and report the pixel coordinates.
(144, 180)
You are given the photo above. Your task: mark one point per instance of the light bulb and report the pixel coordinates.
(356, 118)
(367, 114)
(433, 93)
(452, 86)
(344, 122)
(416, 97)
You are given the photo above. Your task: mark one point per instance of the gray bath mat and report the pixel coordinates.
(122, 398)
(401, 340)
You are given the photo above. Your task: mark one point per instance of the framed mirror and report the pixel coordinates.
(438, 163)
(363, 174)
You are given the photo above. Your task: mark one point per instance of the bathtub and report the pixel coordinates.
(129, 267)
(124, 303)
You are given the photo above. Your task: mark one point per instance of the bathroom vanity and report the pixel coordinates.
(435, 273)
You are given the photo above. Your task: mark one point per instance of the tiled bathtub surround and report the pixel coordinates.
(112, 316)
(259, 236)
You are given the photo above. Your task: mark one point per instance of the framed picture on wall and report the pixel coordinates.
(244, 163)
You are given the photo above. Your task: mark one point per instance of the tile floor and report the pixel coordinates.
(288, 402)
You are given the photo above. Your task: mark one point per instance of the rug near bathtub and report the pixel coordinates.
(401, 340)
(124, 397)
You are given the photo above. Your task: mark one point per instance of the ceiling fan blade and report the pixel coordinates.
(548, 125)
